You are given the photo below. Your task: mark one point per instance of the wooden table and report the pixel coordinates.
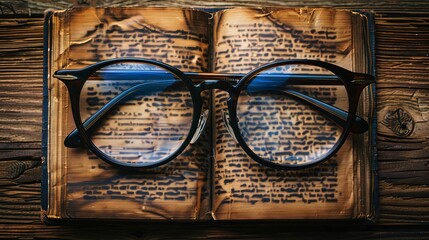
(402, 59)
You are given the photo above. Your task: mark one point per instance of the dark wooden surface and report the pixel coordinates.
(402, 55)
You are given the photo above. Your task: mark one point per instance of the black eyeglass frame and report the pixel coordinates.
(354, 83)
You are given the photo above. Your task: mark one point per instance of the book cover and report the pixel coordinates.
(213, 178)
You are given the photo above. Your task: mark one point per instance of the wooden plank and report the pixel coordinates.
(21, 59)
(202, 231)
(403, 113)
(19, 191)
(37, 7)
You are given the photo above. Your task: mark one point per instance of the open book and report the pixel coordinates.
(213, 178)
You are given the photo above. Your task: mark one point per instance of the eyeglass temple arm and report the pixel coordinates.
(338, 115)
(73, 140)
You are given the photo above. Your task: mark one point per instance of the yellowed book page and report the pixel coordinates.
(91, 187)
(243, 189)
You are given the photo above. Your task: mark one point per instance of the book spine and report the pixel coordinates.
(373, 211)
(44, 180)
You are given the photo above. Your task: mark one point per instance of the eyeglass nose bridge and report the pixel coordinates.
(216, 84)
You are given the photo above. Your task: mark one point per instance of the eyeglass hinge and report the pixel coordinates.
(362, 79)
(65, 77)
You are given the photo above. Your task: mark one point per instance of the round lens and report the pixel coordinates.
(291, 115)
(138, 113)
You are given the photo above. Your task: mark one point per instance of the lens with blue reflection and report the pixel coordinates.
(282, 116)
(143, 112)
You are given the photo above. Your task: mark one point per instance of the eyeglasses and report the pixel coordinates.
(140, 113)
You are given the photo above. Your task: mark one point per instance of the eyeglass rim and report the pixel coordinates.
(344, 76)
(347, 77)
(75, 87)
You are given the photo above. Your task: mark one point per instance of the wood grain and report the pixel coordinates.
(402, 47)
(200, 231)
(37, 7)
(402, 54)
(21, 57)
